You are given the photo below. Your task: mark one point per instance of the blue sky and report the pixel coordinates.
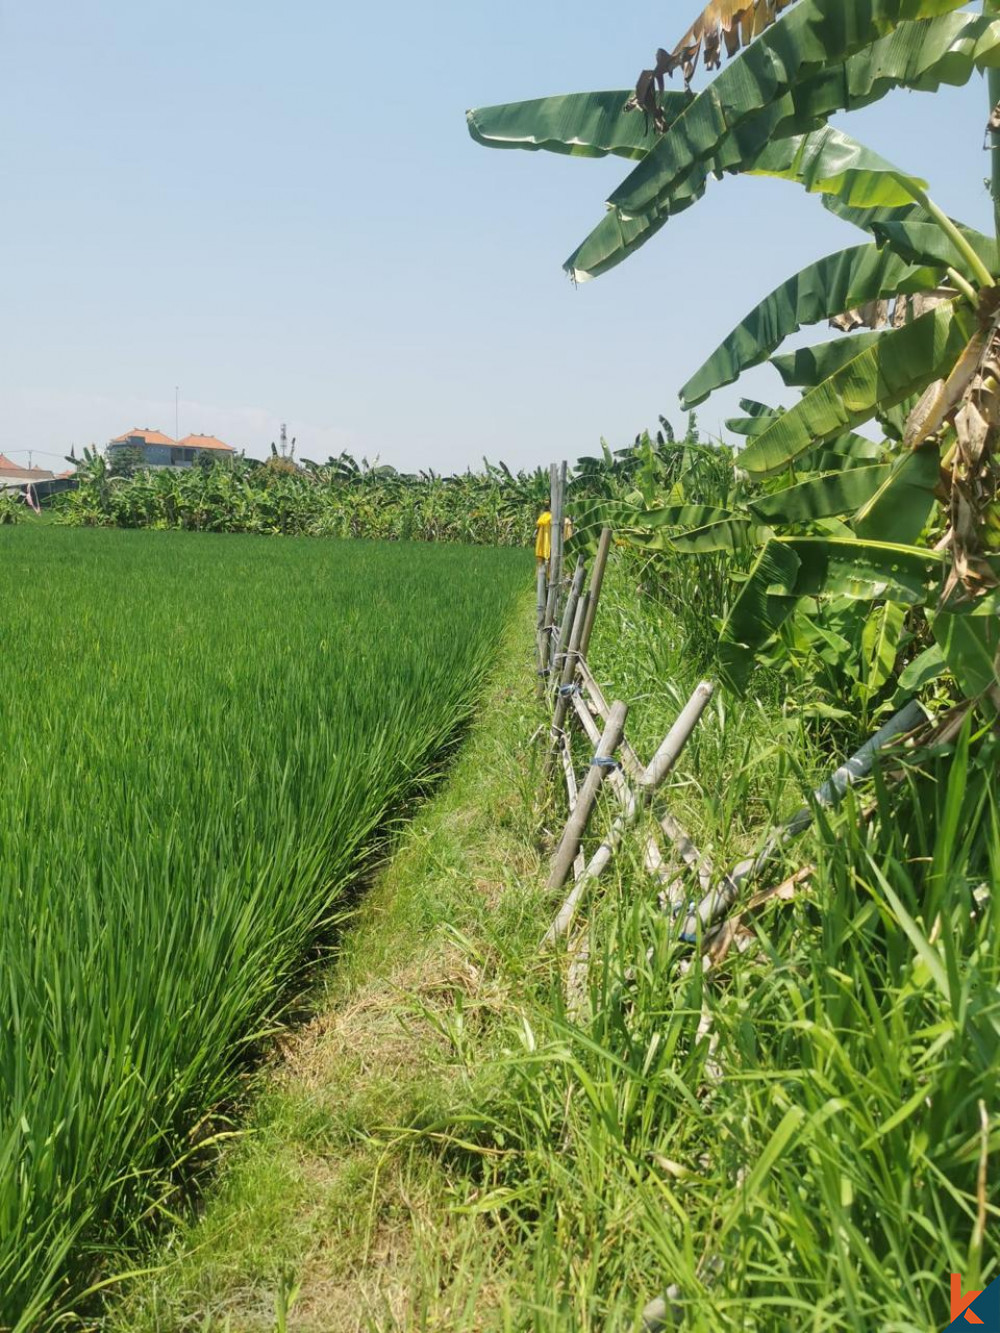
(278, 208)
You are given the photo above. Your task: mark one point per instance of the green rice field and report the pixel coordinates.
(200, 740)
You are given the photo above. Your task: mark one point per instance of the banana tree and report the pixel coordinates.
(921, 290)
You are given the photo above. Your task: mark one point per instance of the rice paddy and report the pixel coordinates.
(200, 739)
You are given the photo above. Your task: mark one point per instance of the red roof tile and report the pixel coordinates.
(205, 442)
(146, 435)
(18, 472)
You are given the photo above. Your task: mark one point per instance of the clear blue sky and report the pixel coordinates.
(277, 208)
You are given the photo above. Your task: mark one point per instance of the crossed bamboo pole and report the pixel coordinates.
(576, 694)
(566, 615)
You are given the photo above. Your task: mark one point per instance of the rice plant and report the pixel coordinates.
(200, 740)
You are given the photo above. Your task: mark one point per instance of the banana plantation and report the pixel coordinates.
(339, 498)
(862, 524)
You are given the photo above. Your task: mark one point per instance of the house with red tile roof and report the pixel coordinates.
(13, 474)
(159, 450)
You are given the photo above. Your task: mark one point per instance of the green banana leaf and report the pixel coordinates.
(880, 645)
(688, 529)
(857, 448)
(867, 218)
(670, 516)
(829, 162)
(900, 508)
(924, 668)
(789, 569)
(808, 366)
(576, 124)
(750, 426)
(893, 418)
(871, 219)
(821, 497)
(766, 600)
(901, 363)
(728, 534)
(828, 459)
(969, 638)
(858, 174)
(802, 59)
(925, 243)
(832, 285)
(755, 409)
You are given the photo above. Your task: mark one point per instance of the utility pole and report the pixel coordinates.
(991, 8)
(177, 412)
(284, 439)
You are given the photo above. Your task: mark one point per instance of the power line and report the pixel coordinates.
(47, 453)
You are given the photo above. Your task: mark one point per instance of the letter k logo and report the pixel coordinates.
(975, 1307)
(960, 1303)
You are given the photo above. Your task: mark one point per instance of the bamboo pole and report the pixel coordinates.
(576, 977)
(631, 762)
(717, 903)
(596, 583)
(573, 795)
(653, 777)
(557, 480)
(561, 538)
(567, 686)
(553, 570)
(569, 611)
(634, 768)
(576, 825)
(698, 862)
(616, 777)
(540, 591)
(678, 736)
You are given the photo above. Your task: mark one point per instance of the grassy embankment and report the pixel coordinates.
(201, 740)
(794, 1138)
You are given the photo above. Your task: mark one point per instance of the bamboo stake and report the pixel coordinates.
(540, 629)
(555, 545)
(567, 685)
(569, 611)
(674, 831)
(553, 571)
(596, 583)
(559, 536)
(716, 904)
(615, 777)
(576, 977)
(653, 777)
(677, 737)
(573, 795)
(576, 825)
(699, 862)
(572, 790)
(631, 762)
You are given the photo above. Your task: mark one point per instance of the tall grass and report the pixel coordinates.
(823, 1154)
(199, 738)
(803, 1135)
